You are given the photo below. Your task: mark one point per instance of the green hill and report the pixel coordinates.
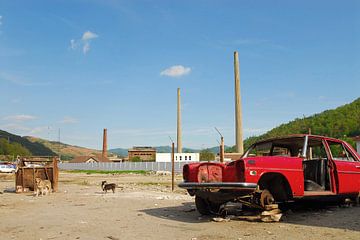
(35, 148)
(66, 151)
(342, 122)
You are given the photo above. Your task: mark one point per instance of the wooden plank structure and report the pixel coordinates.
(29, 168)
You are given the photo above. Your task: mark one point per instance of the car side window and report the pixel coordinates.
(262, 149)
(339, 152)
(315, 150)
(280, 151)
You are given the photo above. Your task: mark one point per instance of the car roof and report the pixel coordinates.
(297, 136)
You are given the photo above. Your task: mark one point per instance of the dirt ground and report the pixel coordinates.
(147, 209)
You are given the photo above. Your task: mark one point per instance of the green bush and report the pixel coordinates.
(13, 148)
(135, 159)
(206, 155)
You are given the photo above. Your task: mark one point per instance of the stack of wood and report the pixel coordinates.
(272, 213)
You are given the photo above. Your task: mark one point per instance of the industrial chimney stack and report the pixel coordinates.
(104, 151)
(179, 140)
(238, 111)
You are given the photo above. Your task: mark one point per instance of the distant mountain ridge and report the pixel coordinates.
(166, 149)
(67, 151)
(36, 149)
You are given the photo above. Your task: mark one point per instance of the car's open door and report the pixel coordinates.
(347, 167)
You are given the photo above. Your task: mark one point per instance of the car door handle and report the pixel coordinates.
(357, 166)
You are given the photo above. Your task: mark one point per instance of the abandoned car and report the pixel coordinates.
(277, 170)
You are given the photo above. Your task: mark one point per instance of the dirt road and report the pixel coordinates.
(147, 209)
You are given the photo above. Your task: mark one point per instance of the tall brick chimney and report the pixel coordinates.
(104, 150)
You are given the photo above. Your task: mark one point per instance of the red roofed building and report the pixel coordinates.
(90, 159)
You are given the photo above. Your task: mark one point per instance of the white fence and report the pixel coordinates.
(124, 166)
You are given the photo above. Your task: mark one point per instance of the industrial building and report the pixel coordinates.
(179, 157)
(90, 159)
(146, 154)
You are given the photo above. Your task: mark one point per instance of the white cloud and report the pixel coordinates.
(19, 118)
(86, 47)
(37, 130)
(89, 35)
(176, 71)
(84, 42)
(68, 120)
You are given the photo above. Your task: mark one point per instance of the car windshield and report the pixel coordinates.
(291, 147)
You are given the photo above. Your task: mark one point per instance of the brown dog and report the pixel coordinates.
(42, 186)
(108, 186)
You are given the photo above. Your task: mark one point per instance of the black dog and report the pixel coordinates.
(108, 186)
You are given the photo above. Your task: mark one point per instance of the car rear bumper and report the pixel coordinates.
(218, 185)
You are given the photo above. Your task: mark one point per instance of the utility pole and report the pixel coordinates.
(59, 147)
(222, 148)
(238, 109)
(172, 164)
(179, 140)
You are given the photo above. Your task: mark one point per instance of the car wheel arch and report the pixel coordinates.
(277, 184)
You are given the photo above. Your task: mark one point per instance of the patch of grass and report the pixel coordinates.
(108, 172)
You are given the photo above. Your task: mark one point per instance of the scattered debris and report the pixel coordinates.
(113, 238)
(220, 219)
(162, 197)
(233, 211)
(79, 205)
(162, 173)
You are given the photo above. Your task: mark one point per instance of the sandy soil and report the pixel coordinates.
(147, 209)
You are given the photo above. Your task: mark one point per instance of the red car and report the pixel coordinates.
(277, 170)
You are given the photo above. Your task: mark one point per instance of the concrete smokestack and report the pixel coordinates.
(238, 111)
(179, 140)
(104, 150)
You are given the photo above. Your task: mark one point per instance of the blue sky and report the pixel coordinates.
(82, 66)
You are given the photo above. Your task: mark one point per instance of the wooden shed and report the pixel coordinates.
(45, 168)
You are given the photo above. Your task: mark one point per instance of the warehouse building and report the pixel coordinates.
(179, 157)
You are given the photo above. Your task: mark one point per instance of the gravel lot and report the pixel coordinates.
(145, 208)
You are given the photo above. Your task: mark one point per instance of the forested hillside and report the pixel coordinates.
(66, 151)
(15, 145)
(342, 122)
